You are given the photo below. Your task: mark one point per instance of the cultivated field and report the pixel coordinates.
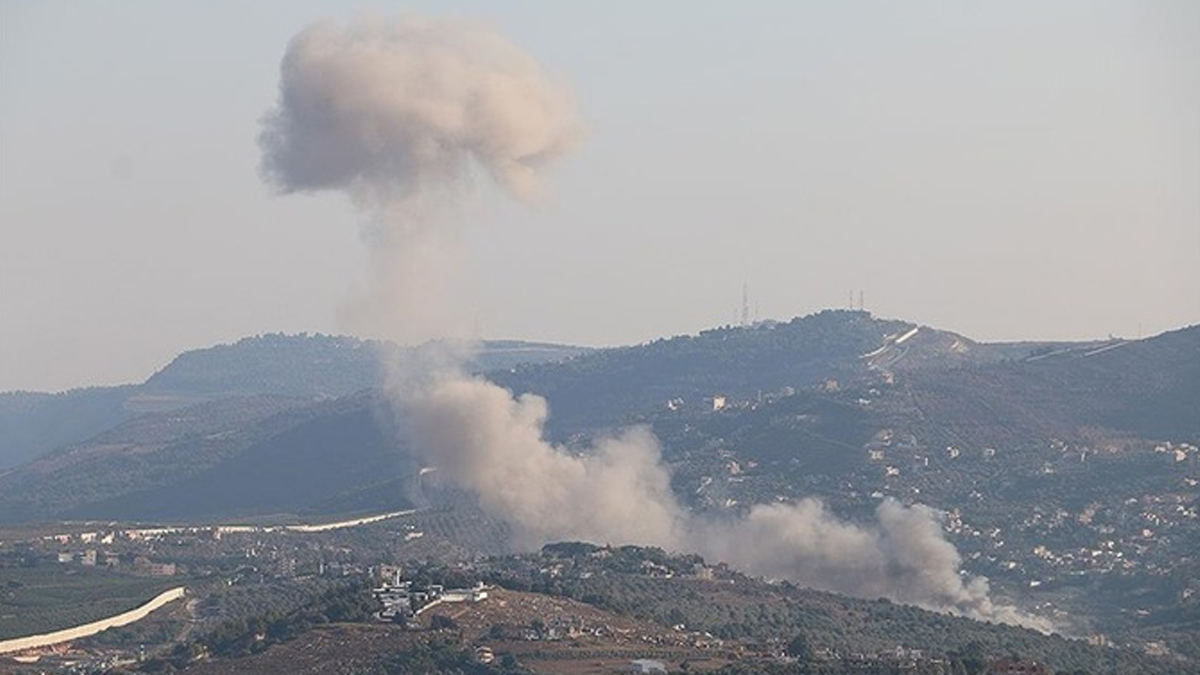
(41, 599)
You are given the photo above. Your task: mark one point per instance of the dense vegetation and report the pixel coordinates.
(818, 633)
(140, 469)
(608, 386)
(341, 447)
(296, 365)
(348, 602)
(33, 423)
(302, 367)
(650, 584)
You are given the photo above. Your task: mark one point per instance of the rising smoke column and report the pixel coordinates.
(395, 114)
(486, 440)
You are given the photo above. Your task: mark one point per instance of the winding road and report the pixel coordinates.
(88, 629)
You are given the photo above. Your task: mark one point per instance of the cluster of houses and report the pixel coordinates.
(400, 601)
(139, 564)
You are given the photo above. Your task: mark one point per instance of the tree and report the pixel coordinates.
(442, 622)
(799, 648)
(973, 657)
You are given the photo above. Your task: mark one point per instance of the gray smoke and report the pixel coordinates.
(395, 114)
(491, 443)
(618, 491)
(903, 556)
(387, 110)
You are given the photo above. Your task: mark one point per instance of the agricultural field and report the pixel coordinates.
(47, 598)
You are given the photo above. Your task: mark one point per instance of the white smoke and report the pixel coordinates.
(394, 114)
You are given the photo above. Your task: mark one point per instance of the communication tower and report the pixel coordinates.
(745, 306)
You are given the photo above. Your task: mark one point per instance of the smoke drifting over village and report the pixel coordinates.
(618, 491)
(394, 114)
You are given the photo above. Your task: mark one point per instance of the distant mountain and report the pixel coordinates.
(808, 394)
(311, 366)
(607, 386)
(315, 366)
(154, 449)
(33, 422)
(302, 367)
(289, 464)
(1146, 388)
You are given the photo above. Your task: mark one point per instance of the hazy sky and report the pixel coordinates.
(1006, 170)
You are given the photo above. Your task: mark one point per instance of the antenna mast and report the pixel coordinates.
(745, 306)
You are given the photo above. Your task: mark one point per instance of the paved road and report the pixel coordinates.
(68, 634)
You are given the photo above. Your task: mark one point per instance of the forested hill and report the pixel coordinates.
(833, 346)
(304, 367)
(32, 423)
(319, 366)
(810, 394)
(1147, 388)
(603, 386)
(291, 365)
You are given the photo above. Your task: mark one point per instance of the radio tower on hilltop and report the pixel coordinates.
(745, 306)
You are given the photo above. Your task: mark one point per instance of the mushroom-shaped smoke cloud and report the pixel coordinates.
(390, 112)
(387, 109)
(394, 114)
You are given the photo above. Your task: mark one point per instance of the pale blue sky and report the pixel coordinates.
(1007, 170)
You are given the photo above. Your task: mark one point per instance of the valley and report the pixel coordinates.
(1065, 474)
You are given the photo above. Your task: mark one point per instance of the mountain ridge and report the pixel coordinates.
(302, 366)
(935, 384)
(1066, 473)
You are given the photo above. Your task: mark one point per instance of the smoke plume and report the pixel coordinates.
(486, 440)
(395, 114)
(618, 491)
(388, 110)
(904, 556)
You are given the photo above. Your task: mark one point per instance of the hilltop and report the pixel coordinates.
(305, 368)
